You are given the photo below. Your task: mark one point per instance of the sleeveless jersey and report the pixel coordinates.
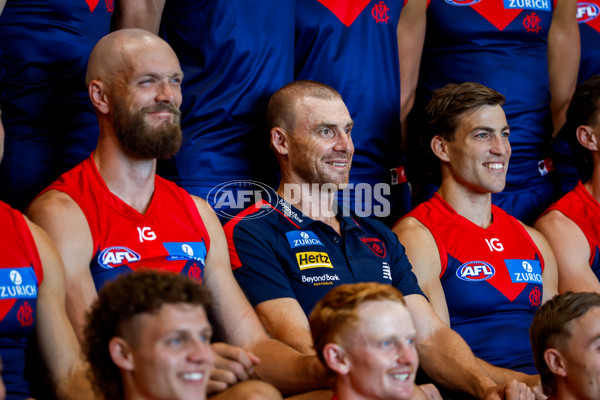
(234, 56)
(580, 207)
(492, 280)
(588, 16)
(501, 44)
(169, 236)
(49, 121)
(20, 276)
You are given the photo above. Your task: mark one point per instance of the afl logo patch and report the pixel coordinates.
(115, 256)
(475, 271)
(587, 11)
(462, 3)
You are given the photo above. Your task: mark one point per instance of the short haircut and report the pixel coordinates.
(281, 108)
(118, 302)
(450, 103)
(583, 110)
(335, 313)
(551, 327)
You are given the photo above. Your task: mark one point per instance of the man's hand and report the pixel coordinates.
(232, 364)
(511, 390)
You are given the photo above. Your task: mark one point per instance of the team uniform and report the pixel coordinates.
(567, 161)
(353, 48)
(502, 45)
(234, 57)
(492, 281)
(580, 207)
(169, 236)
(276, 252)
(21, 274)
(49, 121)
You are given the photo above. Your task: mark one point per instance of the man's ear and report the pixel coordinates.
(120, 353)
(555, 362)
(97, 93)
(585, 136)
(279, 140)
(335, 357)
(440, 148)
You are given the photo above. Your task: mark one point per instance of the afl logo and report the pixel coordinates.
(475, 271)
(462, 3)
(115, 256)
(587, 11)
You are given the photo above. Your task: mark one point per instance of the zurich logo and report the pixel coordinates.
(475, 271)
(114, 256)
(15, 277)
(462, 3)
(587, 11)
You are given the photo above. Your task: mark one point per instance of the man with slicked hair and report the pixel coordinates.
(112, 214)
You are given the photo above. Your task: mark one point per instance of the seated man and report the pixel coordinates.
(572, 224)
(33, 298)
(300, 248)
(364, 334)
(112, 214)
(484, 272)
(148, 336)
(565, 335)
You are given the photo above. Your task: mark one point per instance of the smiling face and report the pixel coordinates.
(146, 100)
(477, 156)
(320, 147)
(380, 358)
(170, 357)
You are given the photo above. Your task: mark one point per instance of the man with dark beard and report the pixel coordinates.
(112, 214)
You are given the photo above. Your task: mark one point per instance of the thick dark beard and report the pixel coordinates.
(142, 140)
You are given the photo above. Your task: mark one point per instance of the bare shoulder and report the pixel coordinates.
(52, 205)
(208, 215)
(554, 222)
(411, 229)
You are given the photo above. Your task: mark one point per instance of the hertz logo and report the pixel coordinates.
(313, 259)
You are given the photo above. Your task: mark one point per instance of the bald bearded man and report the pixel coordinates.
(112, 214)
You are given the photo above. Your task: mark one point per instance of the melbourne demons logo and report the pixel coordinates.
(380, 12)
(25, 314)
(462, 3)
(376, 245)
(473, 271)
(532, 23)
(587, 12)
(115, 256)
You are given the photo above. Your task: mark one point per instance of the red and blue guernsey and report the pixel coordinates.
(20, 276)
(501, 44)
(49, 121)
(169, 236)
(276, 252)
(352, 46)
(582, 208)
(588, 16)
(234, 55)
(492, 281)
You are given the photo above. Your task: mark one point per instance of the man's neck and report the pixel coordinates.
(474, 206)
(312, 201)
(593, 185)
(131, 180)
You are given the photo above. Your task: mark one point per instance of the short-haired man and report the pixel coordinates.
(148, 336)
(572, 224)
(299, 248)
(112, 214)
(484, 272)
(364, 334)
(565, 336)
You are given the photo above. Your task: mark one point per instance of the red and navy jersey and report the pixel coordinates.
(582, 208)
(169, 236)
(352, 46)
(276, 252)
(20, 276)
(588, 16)
(234, 55)
(501, 44)
(492, 281)
(49, 121)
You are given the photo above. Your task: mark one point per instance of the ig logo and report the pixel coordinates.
(494, 244)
